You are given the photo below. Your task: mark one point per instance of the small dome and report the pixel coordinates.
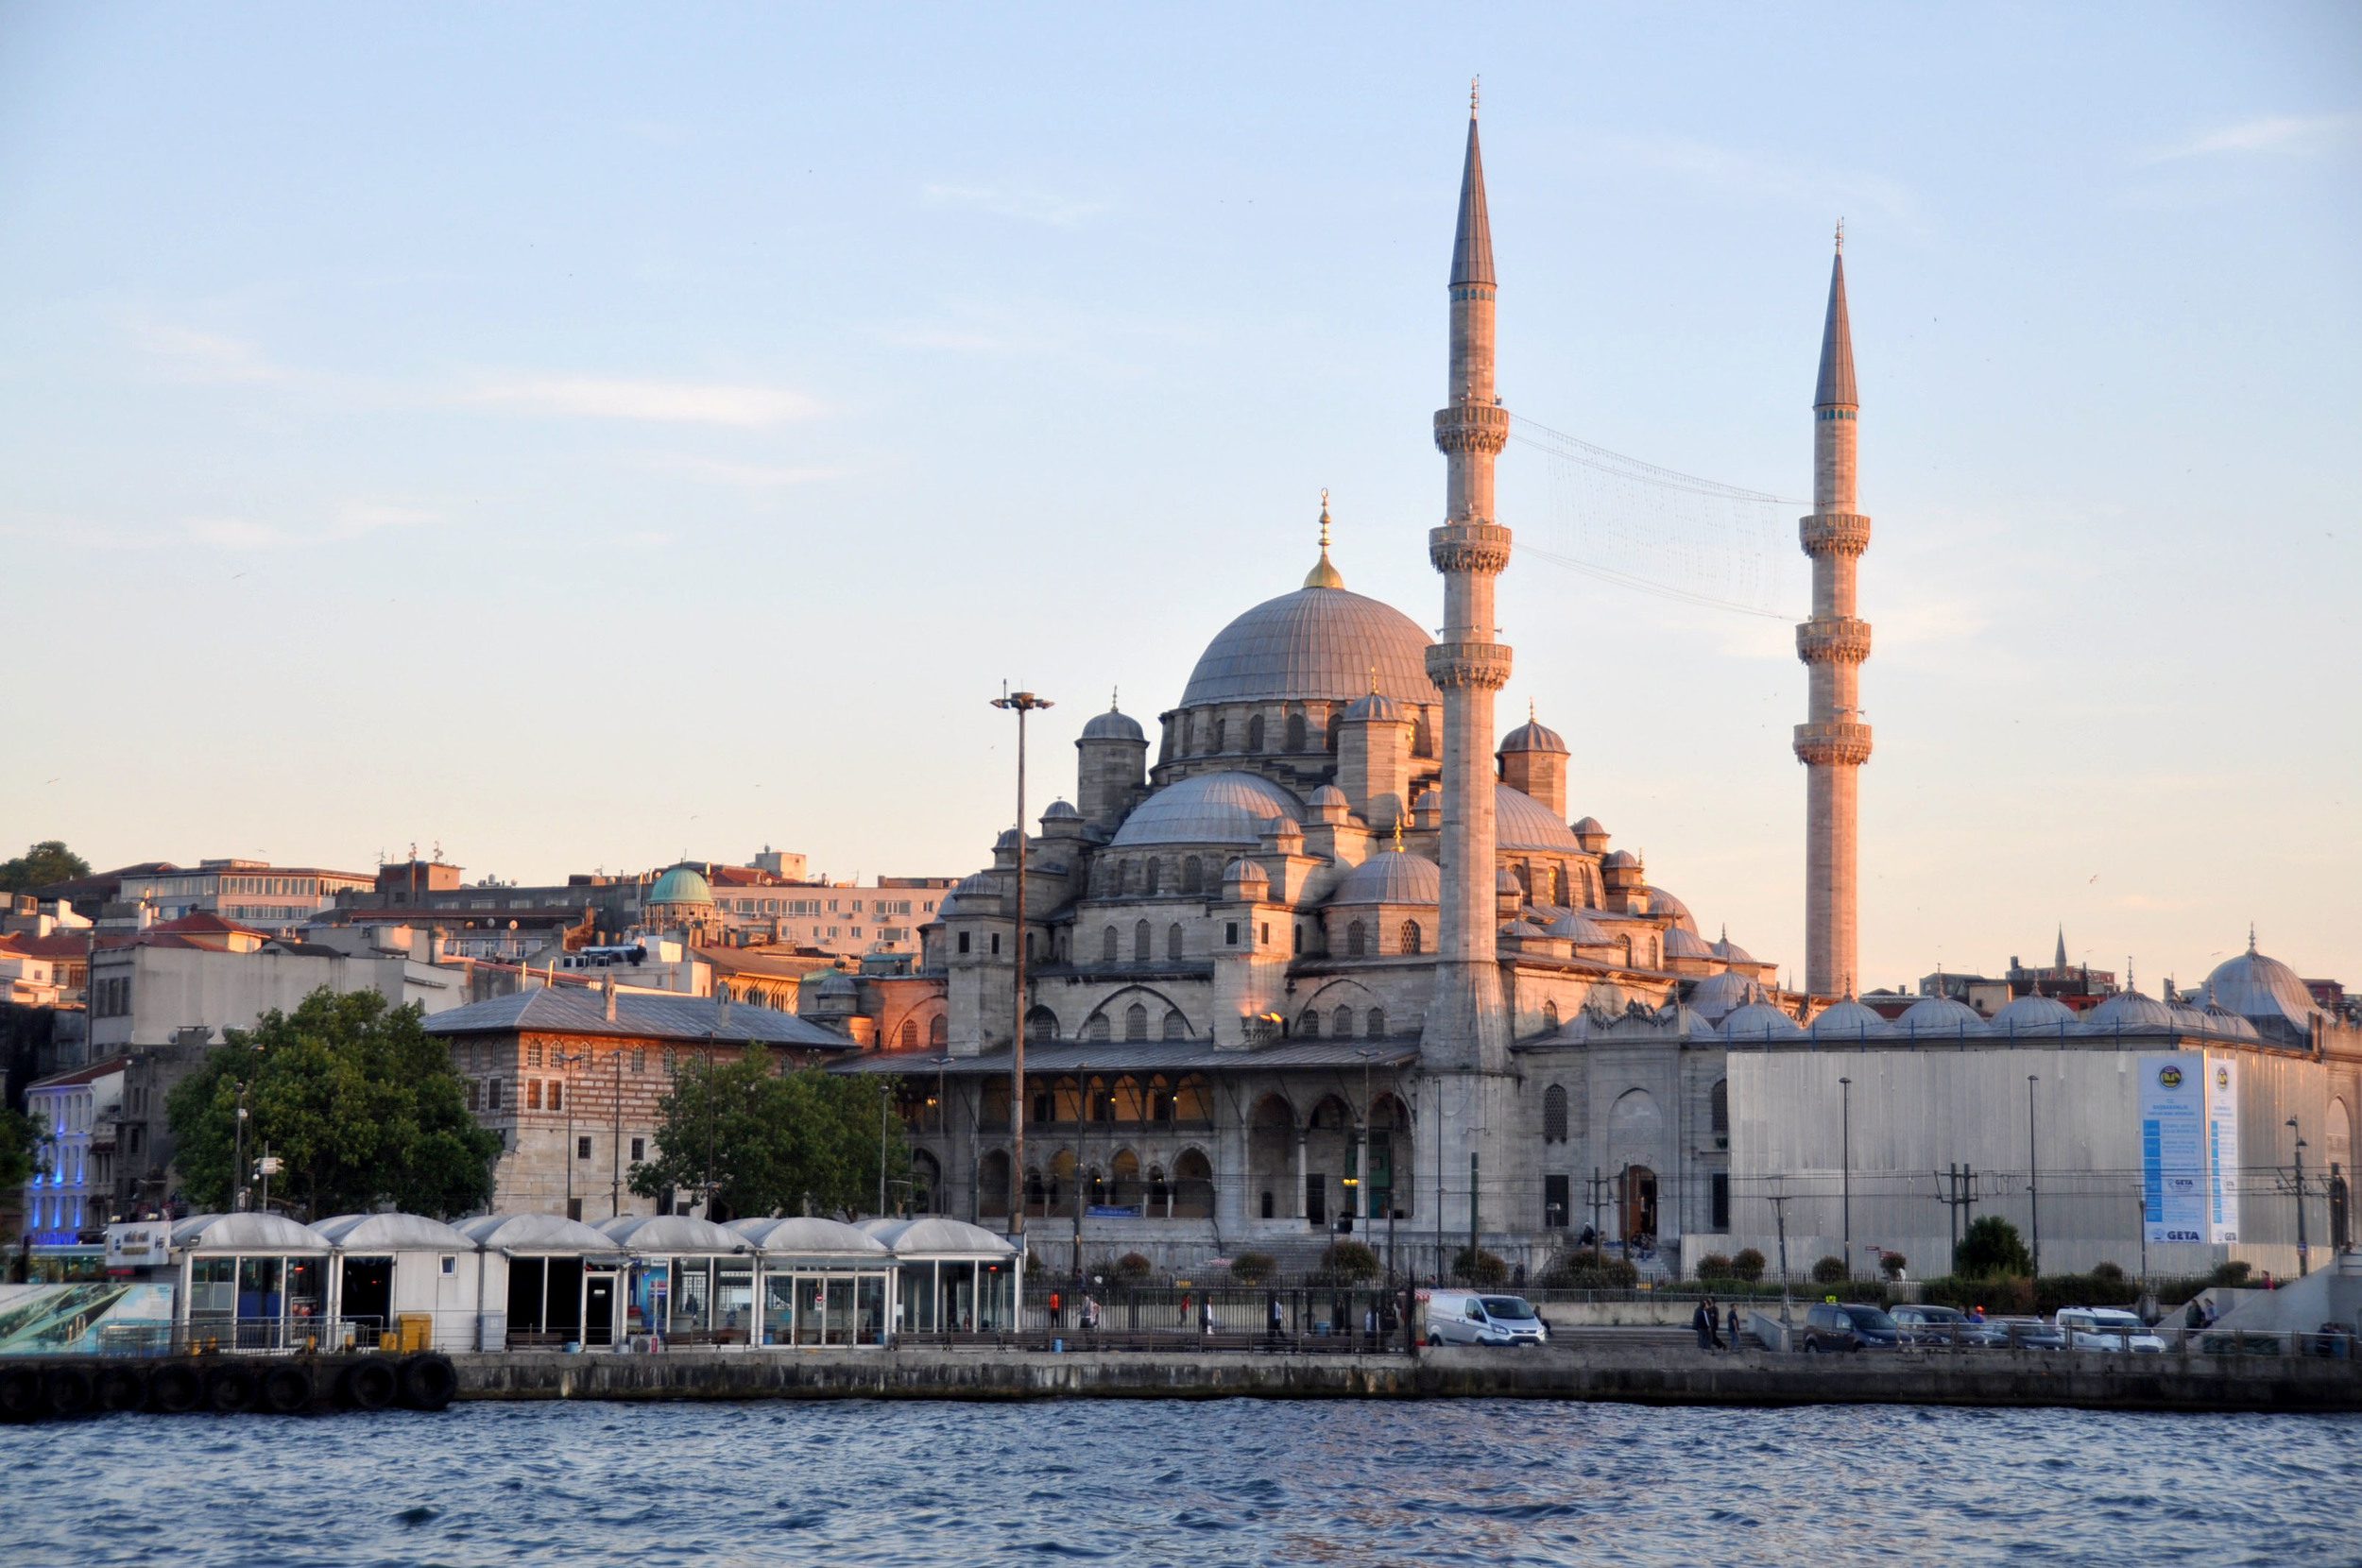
(1580, 931)
(1006, 840)
(2129, 1010)
(1210, 808)
(828, 982)
(2223, 1021)
(1380, 706)
(1061, 811)
(1683, 943)
(1849, 1020)
(1620, 858)
(1717, 996)
(2263, 990)
(1945, 1017)
(1393, 877)
(683, 884)
(1521, 822)
(1589, 829)
(1329, 795)
(1281, 828)
(1505, 881)
(1531, 735)
(1759, 1020)
(1731, 952)
(2033, 1014)
(1113, 725)
(1246, 880)
(1662, 902)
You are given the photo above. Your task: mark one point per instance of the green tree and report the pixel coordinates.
(358, 1100)
(1992, 1248)
(21, 1139)
(45, 862)
(771, 1141)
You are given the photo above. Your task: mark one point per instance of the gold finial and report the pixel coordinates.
(1324, 574)
(1474, 83)
(1841, 236)
(1374, 692)
(1530, 710)
(1397, 832)
(1115, 699)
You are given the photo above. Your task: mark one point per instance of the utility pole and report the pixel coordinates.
(1845, 1170)
(1779, 1209)
(237, 1158)
(2304, 1255)
(2033, 1174)
(1472, 1215)
(1962, 1197)
(615, 1199)
(1019, 703)
(1082, 1131)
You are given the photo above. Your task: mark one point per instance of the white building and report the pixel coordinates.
(72, 1192)
(254, 893)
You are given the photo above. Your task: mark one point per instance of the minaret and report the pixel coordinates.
(1835, 745)
(1466, 1026)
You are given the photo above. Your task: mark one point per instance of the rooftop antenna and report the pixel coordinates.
(1841, 236)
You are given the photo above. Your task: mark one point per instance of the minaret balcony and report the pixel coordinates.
(1470, 547)
(1835, 534)
(1472, 427)
(1833, 742)
(1462, 666)
(1834, 639)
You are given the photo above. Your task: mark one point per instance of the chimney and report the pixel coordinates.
(609, 987)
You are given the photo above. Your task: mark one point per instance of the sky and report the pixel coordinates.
(581, 437)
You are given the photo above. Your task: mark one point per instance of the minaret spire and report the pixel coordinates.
(1466, 1026)
(1833, 742)
(2060, 961)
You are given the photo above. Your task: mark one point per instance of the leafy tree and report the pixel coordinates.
(45, 862)
(1893, 1263)
(1992, 1248)
(20, 1148)
(1829, 1270)
(358, 1100)
(1253, 1268)
(1747, 1264)
(773, 1142)
(1346, 1263)
(1714, 1266)
(1478, 1267)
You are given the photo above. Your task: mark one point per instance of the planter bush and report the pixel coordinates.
(1992, 1248)
(1747, 1264)
(1577, 1271)
(1893, 1263)
(1349, 1263)
(1473, 1265)
(1253, 1268)
(1132, 1268)
(1829, 1270)
(1714, 1266)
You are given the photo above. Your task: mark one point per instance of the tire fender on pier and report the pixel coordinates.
(231, 1391)
(287, 1389)
(429, 1382)
(366, 1386)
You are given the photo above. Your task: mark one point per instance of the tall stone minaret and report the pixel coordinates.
(1466, 1025)
(1835, 745)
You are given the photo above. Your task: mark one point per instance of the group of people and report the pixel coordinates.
(1709, 1325)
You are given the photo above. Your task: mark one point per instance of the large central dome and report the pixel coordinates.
(1320, 643)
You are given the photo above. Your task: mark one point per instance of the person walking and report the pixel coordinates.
(1733, 1325)
(1702, 1321)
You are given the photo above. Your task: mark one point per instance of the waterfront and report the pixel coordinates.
(1186, 1483)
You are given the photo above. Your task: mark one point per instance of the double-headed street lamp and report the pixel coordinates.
(1020, 704)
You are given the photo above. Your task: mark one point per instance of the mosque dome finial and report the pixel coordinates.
(1323, 574)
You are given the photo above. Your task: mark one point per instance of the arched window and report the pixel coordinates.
(1172, 941)
(1550, 1016)
(1124, 1176)
(1155, 877)
(1336, 728)
(1193, 1099)
(1410, 936)
(1107, 945)
(1136, 1022)
(939, 1030)
(1377, 1023)
(1193, 875)
(1159, 1098)
(1720, 1112)
(1100, 1028)
(1296, 732)
(1176, 1027)
(1222, 736)
(1299, 947)
(1422, 735)
(1356, 939)
(1036, 1196)
(1342, 1023)
(1141, 951)
(907, 1036)
(1193, 1186)
(1041, 1024)
(1558, 885)
(1523, 871)
(1554, 1114)
(992, 1183)
(1159, 1191)
(1310, 1027)
(1255, 734)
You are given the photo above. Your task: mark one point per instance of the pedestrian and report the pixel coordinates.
(1278, 1321)
(1090, 1315)
(1701, 1322)
(2196, 1317)
(1733, 1325)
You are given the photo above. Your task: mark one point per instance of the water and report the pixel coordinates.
(1199, 1484)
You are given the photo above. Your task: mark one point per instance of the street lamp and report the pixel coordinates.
(237, 1158)
(566, 1061)
(2304, 1252)
(2033, 1174)
(1020, 704)
(1845, 1138)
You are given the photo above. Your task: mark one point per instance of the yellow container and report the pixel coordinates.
(415, 1330)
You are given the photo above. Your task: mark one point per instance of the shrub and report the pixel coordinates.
(2111, 1271)
(1747, 1265)
(2230, 1276)
(1714, 1266)
(1253, 1268)
(1347, 1263)
(2053, 1291)
(1829, 1270)
(1991, 1247)
(1132, 1267)
(1576, 1272)
(1477, 1267)
(2000, 1296)
(1893, 1263)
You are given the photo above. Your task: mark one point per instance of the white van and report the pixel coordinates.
(1481, 1317)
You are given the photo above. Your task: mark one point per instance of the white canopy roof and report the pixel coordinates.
(808, 1235)
(244, 1233)
(536, 1233)
(673, 1235)
(935, 1236)
(392, 1232)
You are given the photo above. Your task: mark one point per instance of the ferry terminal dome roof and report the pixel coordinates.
(1318, 643)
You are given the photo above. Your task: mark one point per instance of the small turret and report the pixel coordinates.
(1110, 767)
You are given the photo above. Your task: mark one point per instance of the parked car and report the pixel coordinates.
(2110, 1328)
(1474, 1318)
(2027, 1333)
(1834, 1326)
(1947, 1325)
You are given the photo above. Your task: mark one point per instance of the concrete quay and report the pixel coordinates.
(1648, 1374)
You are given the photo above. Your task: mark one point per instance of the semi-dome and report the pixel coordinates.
(1849, 1020)
(1731, 952)
(2263, 989)
(1759, 1021)
(1521, 822)
(1393, 877)
(1681, 942)
(1717, 996)
(1532, 736)
(1210, 808)
(1945, 1016)
(1579, 929)
(682, 884)
(1662, 902)
(1114, 725)
(1061, 811)
(2129, 1010)
(1319, 643)
(2034, 1013)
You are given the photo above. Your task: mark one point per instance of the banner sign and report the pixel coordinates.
(2174, 1171)
(2222, 1148)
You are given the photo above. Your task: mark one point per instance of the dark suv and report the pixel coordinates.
(1858, 1326)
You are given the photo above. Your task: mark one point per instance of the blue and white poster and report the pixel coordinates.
(2174, 1177)
(2222, 1148)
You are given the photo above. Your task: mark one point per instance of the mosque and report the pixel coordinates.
(1335, 959)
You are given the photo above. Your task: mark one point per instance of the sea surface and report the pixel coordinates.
(1197, 1484)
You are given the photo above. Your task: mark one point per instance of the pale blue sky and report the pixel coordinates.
(583, 433)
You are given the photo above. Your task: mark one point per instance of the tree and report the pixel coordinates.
(1346, 1263)
(773, 1142)
(45, 863)
(1991, 1247)
(1747, 1264)
(1829, 1270)
(357, 1099)
(21, 1137)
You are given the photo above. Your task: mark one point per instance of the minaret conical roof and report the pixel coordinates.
(1835, 388)
(1472, 243)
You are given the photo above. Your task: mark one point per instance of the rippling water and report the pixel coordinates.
(1185, 1483)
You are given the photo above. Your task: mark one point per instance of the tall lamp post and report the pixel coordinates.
(2304, 1256)
(1020, 704)
(566, 1061)
(2033, 1174)
(237, 1159)
(1845, 1175)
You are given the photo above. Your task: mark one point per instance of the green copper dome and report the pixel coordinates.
(683, 884)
